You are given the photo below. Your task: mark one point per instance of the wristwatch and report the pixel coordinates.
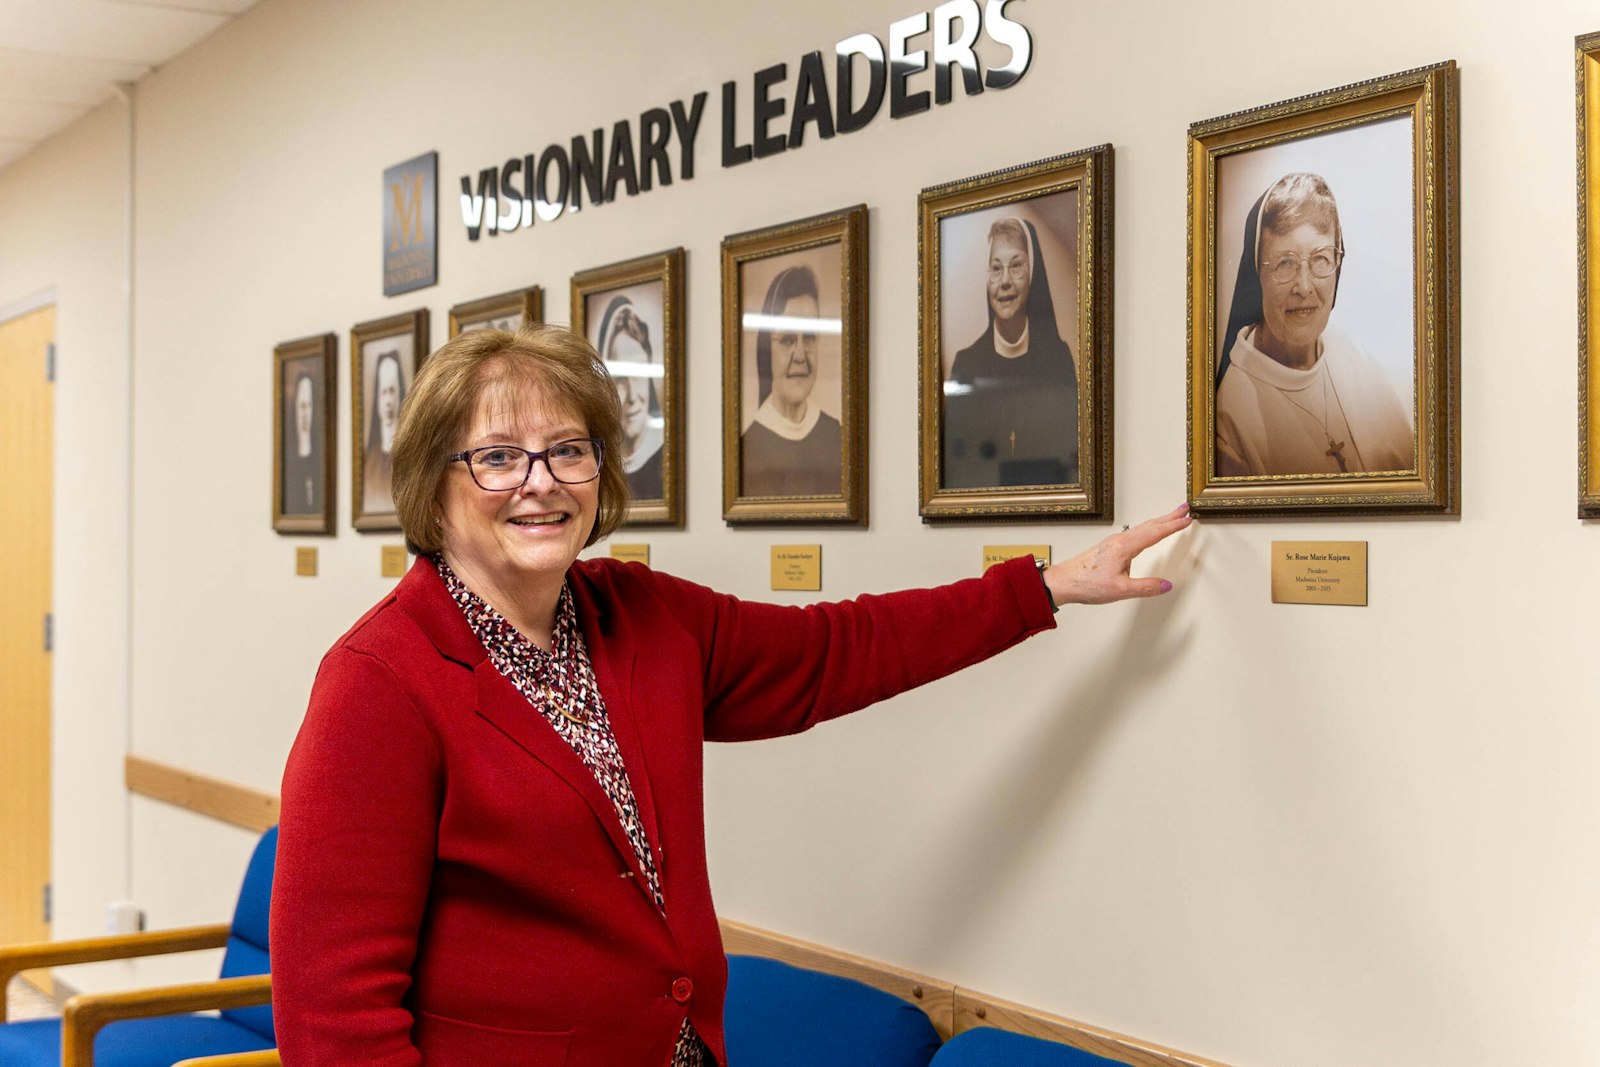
(1043, 566)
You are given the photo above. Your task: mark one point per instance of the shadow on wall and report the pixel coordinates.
(1049, 769)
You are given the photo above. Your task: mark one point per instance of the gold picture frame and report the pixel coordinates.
(1015, 336)
(1587, 50)
(505, 311)
(1334, 393)
(376, 393)
(800, 288)
(305, 387)
(632, 312)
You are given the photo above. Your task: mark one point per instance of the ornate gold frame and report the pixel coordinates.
(414, 323)
(1428, 95)
(1090, 172)
(1587, 50)
(667, 268)
(324, 348)
(527, 304)
(847, 229)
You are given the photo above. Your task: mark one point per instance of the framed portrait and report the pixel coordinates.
(794, 372)
(632, 313)
(303, 386)
(1014, 334)
(1588, 62)
(505, 311)
(1324, 302)
(384, 357)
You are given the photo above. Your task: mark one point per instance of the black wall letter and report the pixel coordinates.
(862, 44)
(733, 153)
(811, 103)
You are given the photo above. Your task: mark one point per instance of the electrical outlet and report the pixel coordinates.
(124, 917)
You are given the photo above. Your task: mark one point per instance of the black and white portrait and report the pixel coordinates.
(387, 366)
(625, 326)
(791, 384)
(1316, 305)
(1008, 302)
(303, 489)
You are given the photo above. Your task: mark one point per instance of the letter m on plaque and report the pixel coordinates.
(411, 225)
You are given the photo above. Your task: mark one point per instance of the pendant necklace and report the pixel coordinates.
(554, 700)
(1335, 448)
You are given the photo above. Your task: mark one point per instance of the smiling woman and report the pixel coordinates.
(497, 787)
(791, 447)
(1293, 397)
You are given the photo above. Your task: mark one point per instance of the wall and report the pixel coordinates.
(63, 226)
(1265, 834)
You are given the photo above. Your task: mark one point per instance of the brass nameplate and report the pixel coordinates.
(993, 554)
(305, 562)
(631, 553)
(1319, 572)
(797, 567)
(394, 561)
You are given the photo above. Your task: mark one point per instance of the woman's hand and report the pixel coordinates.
(1100, 575)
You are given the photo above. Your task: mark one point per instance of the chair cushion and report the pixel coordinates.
(986, 1046)
(247, 944)
(782, 1016)
(130, 1043)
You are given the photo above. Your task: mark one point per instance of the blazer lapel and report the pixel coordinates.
(613, 663)
(509, 712)
(424, 596)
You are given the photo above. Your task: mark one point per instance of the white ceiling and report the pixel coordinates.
(60, 59)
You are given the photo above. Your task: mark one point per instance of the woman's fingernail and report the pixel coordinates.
(1166, 586)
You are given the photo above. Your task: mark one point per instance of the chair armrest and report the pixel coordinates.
(86, 1013)
(28, 957)
(268, 1058)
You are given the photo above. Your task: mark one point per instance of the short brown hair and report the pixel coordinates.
(1296, 199)
(442, 399)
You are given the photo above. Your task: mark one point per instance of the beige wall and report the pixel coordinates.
(63, 216)
(1269, 835)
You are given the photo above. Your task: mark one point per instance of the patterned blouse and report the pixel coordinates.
(560, 685)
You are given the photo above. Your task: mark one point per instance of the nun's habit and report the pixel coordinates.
(780, 456)
(1341, 416)
(1011, 418)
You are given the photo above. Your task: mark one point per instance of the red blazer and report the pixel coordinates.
(452, 885)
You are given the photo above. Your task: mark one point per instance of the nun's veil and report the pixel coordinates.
(790, 283)
(622, 317)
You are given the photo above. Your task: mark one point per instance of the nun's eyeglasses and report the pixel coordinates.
(1286, 268)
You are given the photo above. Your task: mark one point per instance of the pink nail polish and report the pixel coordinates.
(1166, 586)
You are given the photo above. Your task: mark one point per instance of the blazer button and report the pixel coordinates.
(682, 990)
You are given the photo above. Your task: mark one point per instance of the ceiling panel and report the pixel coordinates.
(226, 7)
(133, 33)
(60, 58)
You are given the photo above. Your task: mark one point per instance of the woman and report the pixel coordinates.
(302, 468)
(1011, 407)
(388, 393)
(625, 344)
(492, 848)
(792, 445)
(1294, 397)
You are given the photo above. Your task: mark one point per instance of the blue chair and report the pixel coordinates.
(988, 1047)
(154, 1027)
(782, 1016)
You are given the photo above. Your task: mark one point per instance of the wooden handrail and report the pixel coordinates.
(235, 804)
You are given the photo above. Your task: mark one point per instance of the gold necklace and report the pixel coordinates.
(552, 699)
(1335, 448)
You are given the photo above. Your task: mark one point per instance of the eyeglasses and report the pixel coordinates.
(1286, 268)
(503, 468)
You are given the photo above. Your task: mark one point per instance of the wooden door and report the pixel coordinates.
(26, 472)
